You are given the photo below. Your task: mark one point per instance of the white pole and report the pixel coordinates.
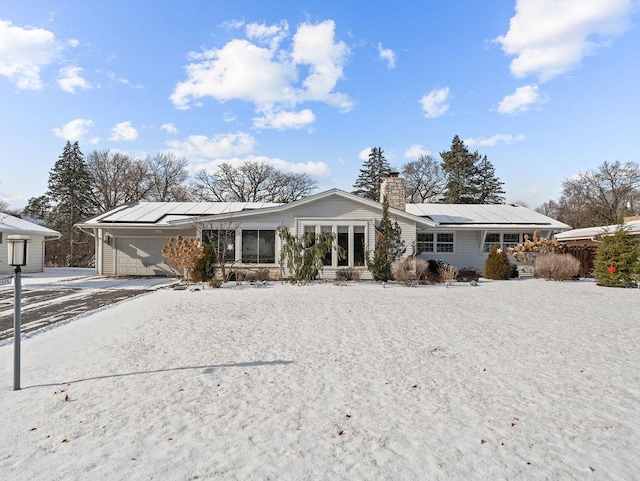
(17, 296)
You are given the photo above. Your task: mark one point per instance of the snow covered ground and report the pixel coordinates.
(517, 380)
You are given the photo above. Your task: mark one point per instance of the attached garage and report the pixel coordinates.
(141, 256)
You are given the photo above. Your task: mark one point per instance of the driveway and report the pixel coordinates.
(58, 294)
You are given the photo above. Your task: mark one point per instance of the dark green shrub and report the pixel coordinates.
(468, 274)
(617, 263)
(497, 265)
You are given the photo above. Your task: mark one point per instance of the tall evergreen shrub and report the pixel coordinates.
(497, 265)
(618, 260)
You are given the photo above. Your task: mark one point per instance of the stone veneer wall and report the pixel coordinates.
(393, 188)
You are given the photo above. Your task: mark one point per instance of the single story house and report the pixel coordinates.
(37, 234)
(129, 239)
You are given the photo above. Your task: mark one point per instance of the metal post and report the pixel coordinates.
(17, 296)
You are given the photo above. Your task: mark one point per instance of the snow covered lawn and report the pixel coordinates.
(519, 380)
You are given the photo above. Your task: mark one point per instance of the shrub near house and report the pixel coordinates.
(617, 260)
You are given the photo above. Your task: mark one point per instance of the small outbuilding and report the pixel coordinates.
(37, 234)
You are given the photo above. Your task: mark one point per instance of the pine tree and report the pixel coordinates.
(470, 178)
(389, 246)
(375, 170)
(617, 260)
(490, 186)
(70, 191)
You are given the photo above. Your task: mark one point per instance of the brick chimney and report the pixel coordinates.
(393, 188)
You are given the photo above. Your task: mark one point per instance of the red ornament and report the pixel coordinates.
(612, 269)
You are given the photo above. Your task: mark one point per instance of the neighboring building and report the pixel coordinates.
(38, 235)
(129, 239)
(590, 236)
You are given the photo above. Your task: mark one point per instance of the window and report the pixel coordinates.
(510, 239)
(327, 229)
(424, 242)
(491, 239)
(348, 239)
(505, 239)
(259, 246)
(434, 242)
(358, 246)
(444, 242)
(343, 242)
(222, 240)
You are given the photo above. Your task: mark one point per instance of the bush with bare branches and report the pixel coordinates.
(557, 267)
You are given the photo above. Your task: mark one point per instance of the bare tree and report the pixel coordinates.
(117, 179)
(424, 180)
(252, 182)
(598, 197)
(168, 178)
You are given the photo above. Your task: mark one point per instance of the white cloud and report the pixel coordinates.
(70, 78)
(284, 120)
(364, 153)
(24, 52)
(388, 55)
(434, 104)
(269, 77)
(169, 128)
(315, 46)
(74, 130)
(415, 151)
(550, 37)
(239, 70)
(495, 139)
(73, 43)
(219, 146)
(123, 132)
(521, 100)
(271, 35)
(228, 116)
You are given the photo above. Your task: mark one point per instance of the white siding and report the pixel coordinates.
(467, 250)
(35, 256)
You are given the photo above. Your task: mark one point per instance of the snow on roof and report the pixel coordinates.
(483, 214)
(633, 227)
(11, 225)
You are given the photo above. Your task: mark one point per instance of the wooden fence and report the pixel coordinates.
(587, 257)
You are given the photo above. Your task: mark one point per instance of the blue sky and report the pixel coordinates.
(544, 88)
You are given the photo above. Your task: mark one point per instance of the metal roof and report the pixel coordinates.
(483, 214)
(633, 228)
(14, 226)
(164, 212)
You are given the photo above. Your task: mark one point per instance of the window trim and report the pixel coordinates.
(436, 242)
(301, 224)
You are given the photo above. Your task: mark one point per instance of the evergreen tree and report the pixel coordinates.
(490, 186)
(497, 265)
(389, 246)
(304, 255)
(70, 191)
(618, 260)
(470, 178)
(375, 170)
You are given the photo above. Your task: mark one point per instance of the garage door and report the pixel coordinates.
(141, 257)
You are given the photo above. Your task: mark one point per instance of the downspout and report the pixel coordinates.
(483, 238)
